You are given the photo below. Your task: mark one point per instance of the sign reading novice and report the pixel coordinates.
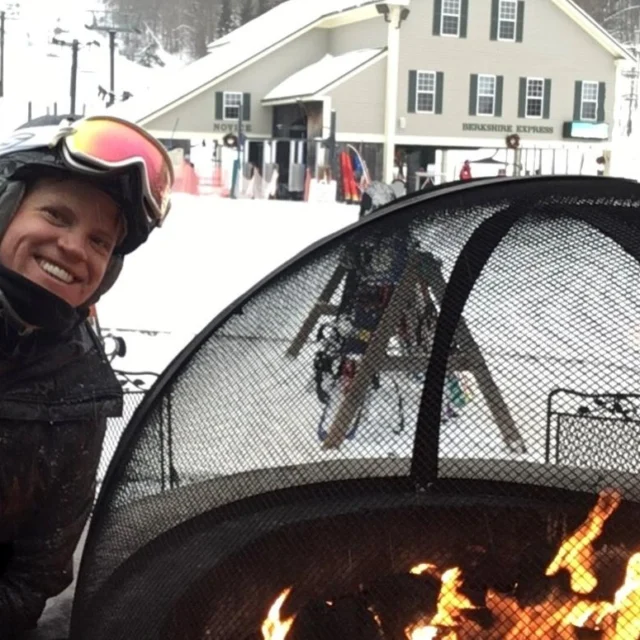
(230, 127)
(507, 128)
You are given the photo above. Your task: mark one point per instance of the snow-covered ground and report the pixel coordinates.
(208, 253)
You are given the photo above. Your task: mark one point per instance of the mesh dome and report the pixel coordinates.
(475, 339)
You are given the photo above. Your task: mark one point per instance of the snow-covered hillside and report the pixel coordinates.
(38, 71)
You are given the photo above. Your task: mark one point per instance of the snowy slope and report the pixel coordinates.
(38, 71)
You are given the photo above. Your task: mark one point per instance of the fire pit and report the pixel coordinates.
(423, 427)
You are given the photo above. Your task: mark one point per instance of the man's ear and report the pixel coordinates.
(11, 195)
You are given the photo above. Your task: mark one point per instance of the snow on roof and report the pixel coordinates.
(321, 74)
(234, 49)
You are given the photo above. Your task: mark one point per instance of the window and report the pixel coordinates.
(486, 95)
(589, 103)
(507, 15)
(535, 98)
(450, 18)
(426, 92)
(231, 105)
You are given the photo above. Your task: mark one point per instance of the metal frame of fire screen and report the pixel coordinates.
(471, 260)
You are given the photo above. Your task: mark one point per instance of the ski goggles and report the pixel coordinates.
(104, 143)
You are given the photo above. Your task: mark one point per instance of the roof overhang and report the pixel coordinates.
(360, 12)
(312, 82)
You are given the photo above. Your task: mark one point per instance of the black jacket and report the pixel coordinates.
(53, 411)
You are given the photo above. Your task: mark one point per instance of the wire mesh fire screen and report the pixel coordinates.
(425, 426)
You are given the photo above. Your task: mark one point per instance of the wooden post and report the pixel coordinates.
(471, 359)
(322, 307)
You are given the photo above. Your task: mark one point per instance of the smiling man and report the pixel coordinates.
(74, 200)
(62, 237)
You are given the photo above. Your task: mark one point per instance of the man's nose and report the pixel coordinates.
(74, 244)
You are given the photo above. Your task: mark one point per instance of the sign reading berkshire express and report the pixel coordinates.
(507, 128)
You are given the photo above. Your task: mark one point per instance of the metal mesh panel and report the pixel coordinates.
(115, 429)
(327, 435)
(599, 431)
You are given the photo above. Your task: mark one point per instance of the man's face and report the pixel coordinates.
(62, 238)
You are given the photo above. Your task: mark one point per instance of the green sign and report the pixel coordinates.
(507, 128)
(230, 127)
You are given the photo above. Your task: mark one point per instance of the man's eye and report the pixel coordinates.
(53, 214)
(102, 243)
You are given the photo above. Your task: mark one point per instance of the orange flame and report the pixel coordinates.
(558, 616)
(450, 603)
(273, 628)
(576, 554)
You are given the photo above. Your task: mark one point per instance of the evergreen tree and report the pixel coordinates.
(225, 19)
(246, 11)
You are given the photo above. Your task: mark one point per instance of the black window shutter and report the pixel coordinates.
(413, 87)
(464, 18)
(577, 102)
(522, 98)
(495, 14)
(437, 16)
(520, 22)
(219, 105)
(439, 91)
(602, 95)
(497, 111)
(473, 95)
(546, 107)
(246, 107)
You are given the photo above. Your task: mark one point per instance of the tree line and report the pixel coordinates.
(188, 26)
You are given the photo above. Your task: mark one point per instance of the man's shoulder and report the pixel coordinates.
(70, 380)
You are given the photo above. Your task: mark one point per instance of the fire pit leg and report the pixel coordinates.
(373, 356)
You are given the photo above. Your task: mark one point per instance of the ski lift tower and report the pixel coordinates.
(111, 23)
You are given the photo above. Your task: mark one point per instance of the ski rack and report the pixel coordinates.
(422, 269)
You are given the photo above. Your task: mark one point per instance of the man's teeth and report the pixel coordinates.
(56, 271)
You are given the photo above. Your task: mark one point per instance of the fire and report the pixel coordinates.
(576, 553)
(273, 628)
(450, 602)
(555, 618)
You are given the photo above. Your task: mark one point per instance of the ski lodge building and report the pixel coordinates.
(406, 82)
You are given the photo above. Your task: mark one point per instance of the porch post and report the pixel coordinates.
(391, 97)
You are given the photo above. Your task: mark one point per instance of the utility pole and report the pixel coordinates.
(112, 29)
(75, 45)
(2, 17)
(75, 48)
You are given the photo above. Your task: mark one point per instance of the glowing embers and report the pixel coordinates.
(437, 603)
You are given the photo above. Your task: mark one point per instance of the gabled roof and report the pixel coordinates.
(591, 26)
(258, 37)
(322, 74)
(274, 29)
